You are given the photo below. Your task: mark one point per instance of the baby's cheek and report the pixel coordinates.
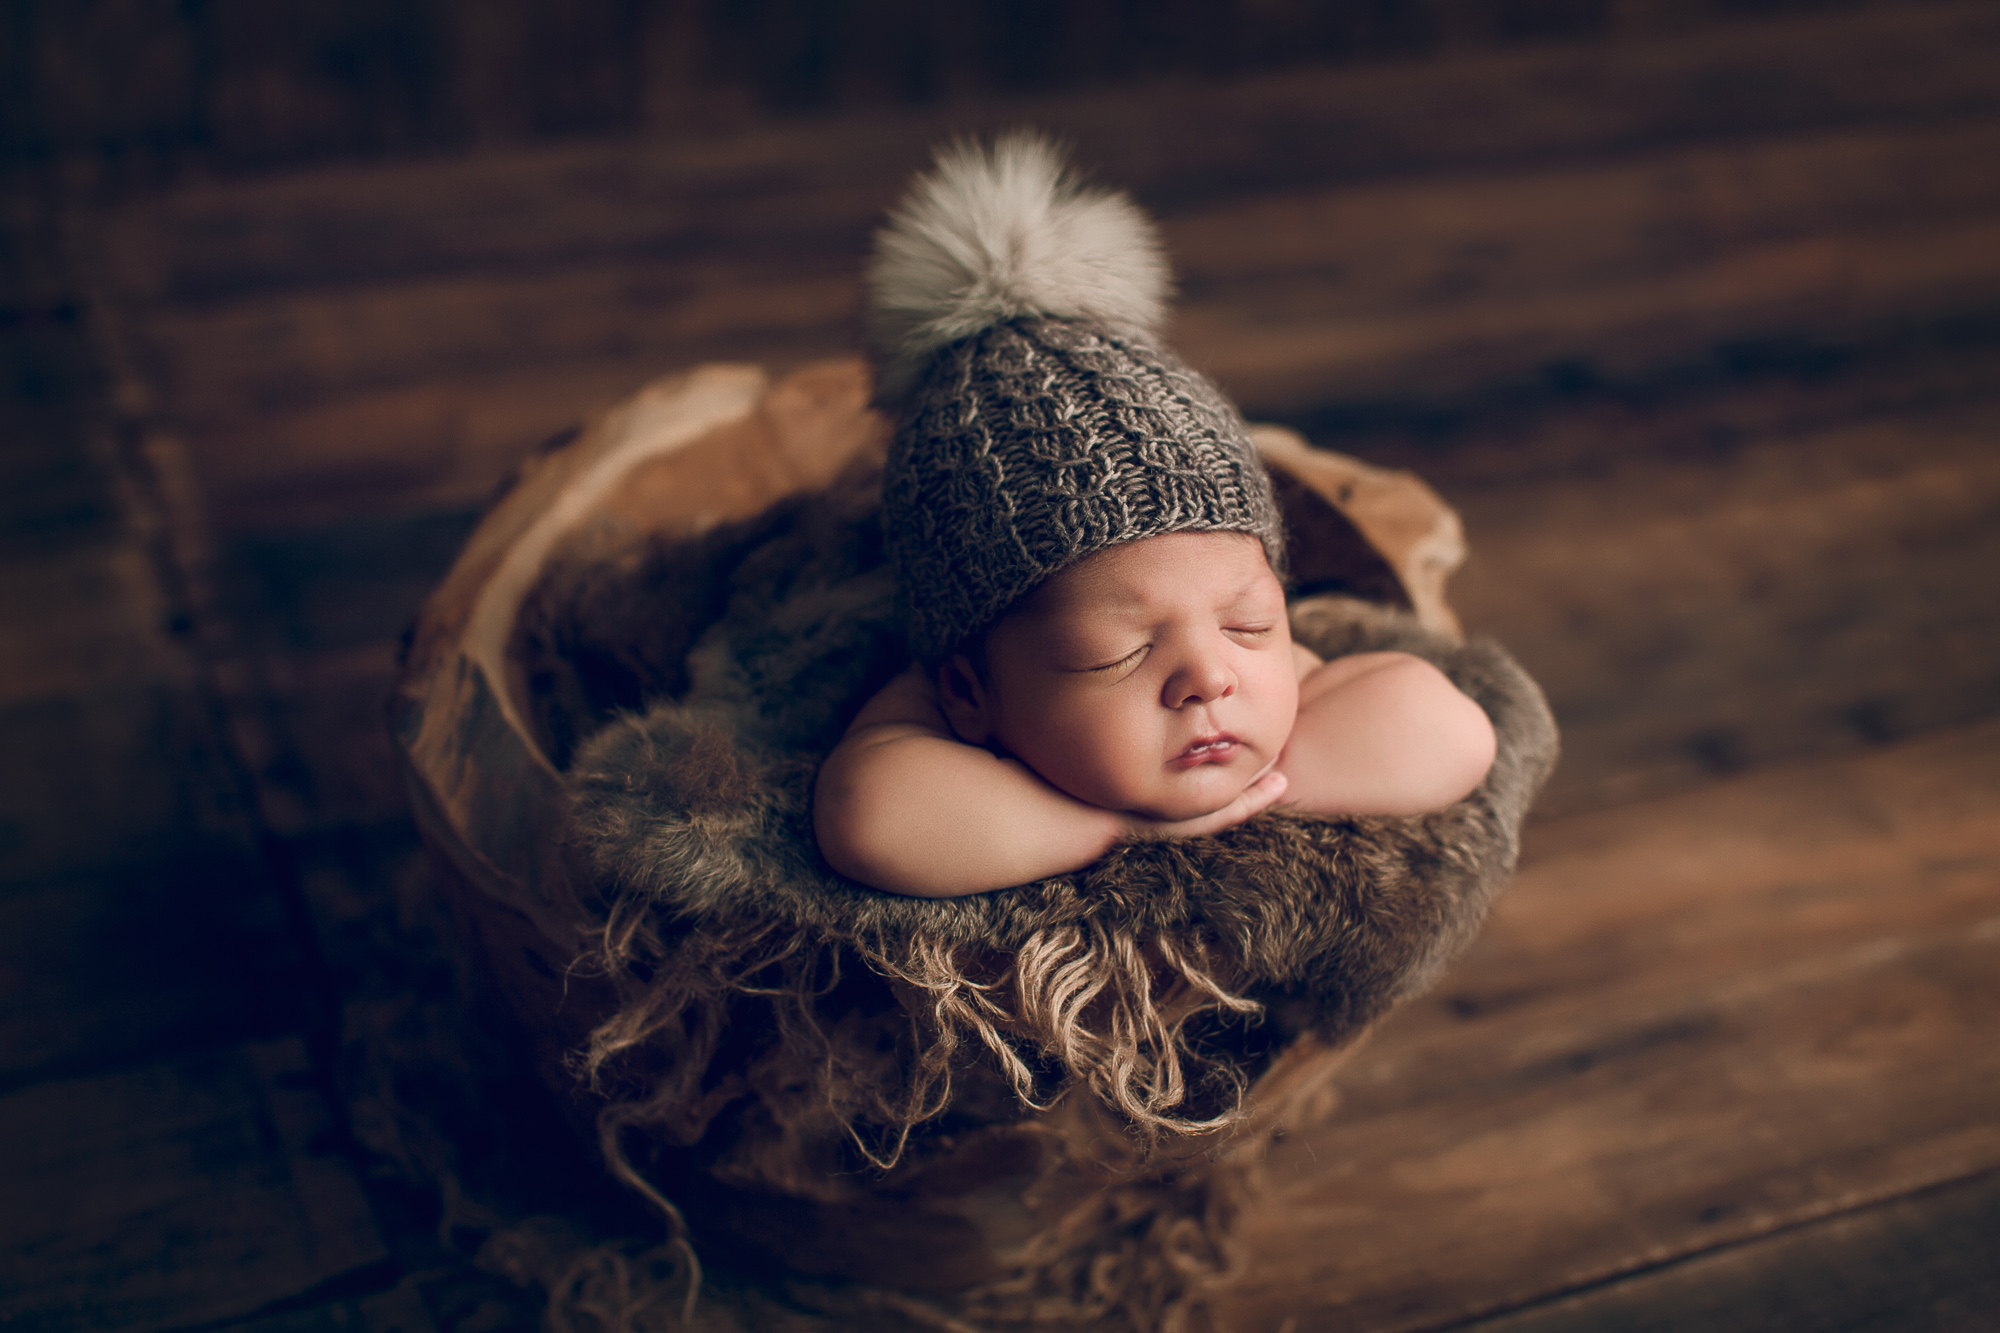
(1282, 707)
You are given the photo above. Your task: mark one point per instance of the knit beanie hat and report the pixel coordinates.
(1038, 419)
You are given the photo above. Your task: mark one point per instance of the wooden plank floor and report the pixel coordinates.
(1921, 1261)
(148, 1178)
(1690, 1022)
(389, 341)
(1700, 334)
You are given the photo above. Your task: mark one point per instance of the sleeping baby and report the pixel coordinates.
(1089, 561)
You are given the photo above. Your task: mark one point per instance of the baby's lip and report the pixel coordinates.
(1207, 750)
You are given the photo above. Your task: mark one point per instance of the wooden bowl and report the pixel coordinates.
(684, 454)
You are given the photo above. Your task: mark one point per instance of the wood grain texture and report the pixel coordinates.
(235, 89)
(84, 618)
(397, 336)
(1772, 595)
(1325, 285)
(104, 778)
(1175, 144)
(142, 1188)
(1925, 1261)
(183, 944)
(1435, 286)
(400, 1309)
(1698, 333)
(1690, 1022)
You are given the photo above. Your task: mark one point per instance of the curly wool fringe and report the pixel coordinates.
(1084, 1005)
(608, 1289)
(618, 1286)
(1085, 997)
(1112, 1012)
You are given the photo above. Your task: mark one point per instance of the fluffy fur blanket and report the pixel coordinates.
(779, 1018)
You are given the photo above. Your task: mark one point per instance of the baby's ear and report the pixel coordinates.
(964, 700)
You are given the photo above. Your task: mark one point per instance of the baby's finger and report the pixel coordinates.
(1252, 799)
(1264, 792)
(1248, 802)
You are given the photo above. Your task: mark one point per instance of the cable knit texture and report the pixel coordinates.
(1059, 426)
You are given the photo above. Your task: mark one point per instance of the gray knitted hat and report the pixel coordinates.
(1038, 420)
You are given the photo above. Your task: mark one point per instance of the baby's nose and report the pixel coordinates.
(1203, 679)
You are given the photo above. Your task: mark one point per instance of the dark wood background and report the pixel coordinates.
(1692, 310)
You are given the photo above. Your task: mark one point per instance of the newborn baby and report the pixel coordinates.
(1150, 690)
(1089, 557)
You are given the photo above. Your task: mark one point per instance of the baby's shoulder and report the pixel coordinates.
(907, 701)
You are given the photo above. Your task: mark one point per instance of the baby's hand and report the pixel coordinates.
(1253, 798)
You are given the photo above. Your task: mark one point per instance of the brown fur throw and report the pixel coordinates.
(778, 1019)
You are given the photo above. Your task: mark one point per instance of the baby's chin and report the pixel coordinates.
(1195, 799)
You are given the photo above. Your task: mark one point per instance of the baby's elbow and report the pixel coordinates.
(1454, 747)
(860, 822)
(841, 850)
(849, 836)
(1466, 748)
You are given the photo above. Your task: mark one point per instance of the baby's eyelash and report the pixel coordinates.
(1113, 666)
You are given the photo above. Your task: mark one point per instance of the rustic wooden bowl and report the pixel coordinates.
(684, 454)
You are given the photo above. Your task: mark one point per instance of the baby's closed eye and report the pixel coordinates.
(1129, 660)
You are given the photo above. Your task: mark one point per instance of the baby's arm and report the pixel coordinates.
(1383, 734)
(905, 806)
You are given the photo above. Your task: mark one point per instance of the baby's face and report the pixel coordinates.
(1155, 677)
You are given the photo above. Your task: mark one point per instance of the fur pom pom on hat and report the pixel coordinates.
(993, 236)
(1014, 314)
